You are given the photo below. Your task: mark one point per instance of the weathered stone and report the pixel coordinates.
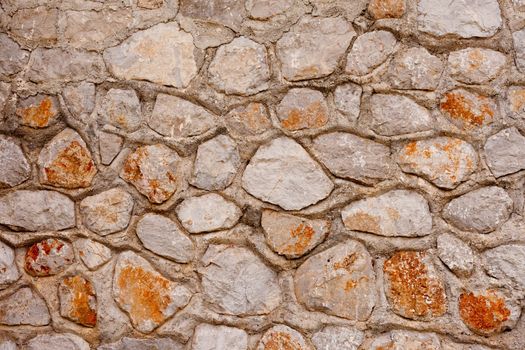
(143, 344)
(467, 110)
(206, 213)
(347, 100)
(107, 212)
(519, 4)
(35, 26)
(147, 296)
(283, 337)
(152, 170)
(303, 108)
(369, 51)
(265, 9)
(37, 210)
(24, 307)
(337, 338)
(506, 263)
(48, 257)
(109, 146)
(519, 47)
(8, 271)
(516, 102)
(229, 13)
(466, 19)
(339, 281)
(216, 163)
(281, 172)
(476, 65)
(482, 210)
(150, 4)
(406, 340)
(15, 167)
(175, 117)
(396, 213)
(121, 108)
(380, 9)
(80, 98)
(320, 42)
(162, 54)
(456, 254)
(162, 236)
(415, 68)
(92, 253)
(78, 301)
(413, 287)
(292, 236)
(5, 92)
(251, 119)
(330, 8)
(240, 67)
(38, 111)
(352, 157)
(8, 345)
(13, 58)
(208, 337)
(66, 162)
(206, 34)
(238, 282)
(62, 341)
(505, 152)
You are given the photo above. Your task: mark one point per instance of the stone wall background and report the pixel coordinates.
(262, 174)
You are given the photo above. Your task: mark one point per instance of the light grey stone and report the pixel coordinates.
(35, 26)
(92, 253)
(347, 100)
(206, 34)
(506, 262)
(54, 341)
(476, 65)
(5, 92)
(121, 108)
(468, 111)
(109, 146)
(415, 68)
(369, 51)
(13, 58)
(15, 167)
(283, 337)
(505, 152)
(516, 102)
(143, 344)
(406, 340)
(206, 213)
(24, 307)
(229, 13)
(337, 338)
(38, 111)
(456, 254)
(210, 337)
(265, 9)
(8, 270)
(79, 98)
(48, 257)
(303, 108)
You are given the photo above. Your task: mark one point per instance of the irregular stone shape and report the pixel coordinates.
(369, 51)
(292, 236)
(109, 146)
(229, 13)
(413, 287)
(519, 47)
(15, 167)
(240, 67)
(320, 42)
(467, 110)
(415, 68)
(208, 337)
(37, 210)
(107, 212)
(206, 34)
(162, 236)
(456, 254)
(8, 271)
(516, 102)
(505, 152)
(162, 54)
(506, 262)
(79, 98)
(38, 111)
(143, 344)
(121, 108)
(396, 213)
(78, 301)
(339, 281)
(92, 253)
(406, 340)
(392, 115)
(444, 161)
(66, 162)
(24, 307)
(206, 213)
(238, 282)
(380, 9)
(5, 91)
(303, 108)
(265, 9)
(466, 19)
(216, 163)
(482, 210)
(337, 338)
(352, 157)
(281, 172)
(8, 345)
(175, 117)
(13, 58)
(152, 170)
(48, 257)
(251, 119)
(147, 297)
(476, 65)
(347, 100)
(283, 337)
(62, 341)
(329, 8)
(35, 26)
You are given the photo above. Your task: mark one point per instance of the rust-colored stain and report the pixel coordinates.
(72, 168)
(313, 116)
(282, 341)
(363, 222)
(38, 116)
(254, 118)
(83, 301)
(36, 256)
(302, 236)
(389, 346)
(517, 100)
(484, 313)
(350, 284)
(346, 263)
(475, 59)
(387, 8)
(411, 148)
(461, 108)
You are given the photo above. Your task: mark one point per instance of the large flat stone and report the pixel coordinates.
(24, 307)
(505, 152)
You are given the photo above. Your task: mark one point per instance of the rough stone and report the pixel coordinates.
(466, 110)
(79, 98)
(347, 100)
(209, 337)
(13, 58)
(24, 307)
(62, 341)
(150, 4)
(519, 47)
(15, 167)
(506, 263)
(8, 270)
(406, 340)
(121, 108)
(516, 102)
(337, 338)
(283, 337)
(109, 146)
(38, 111)
(415, 68)
(206, 34)
(92, 253)
(142, 344)
(35, 26)
(265, 9)
(505, 152)
(369, 51)
(8, 345)
(5, 93)
(48, 257)
(251, 119)
(456, 254)
(303, 108)
(229, 13)
(475, 65)
(78, 301)
(330, 8)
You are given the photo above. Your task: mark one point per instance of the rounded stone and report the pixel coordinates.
(476, 65)
(24, 307)
(78, 301)
(505, 152)
(283, 337)
(466, 110)
(48, 257)
(369, 51)
(456, 254)
(8, 270)
(347, 98)
(506, 263)
(401, 339)
(38, 111)
(415, 68)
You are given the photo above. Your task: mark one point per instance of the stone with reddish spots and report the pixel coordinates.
(340, 281)
(121, 108)
(505, 152)
(148, 298)
(107, 212)
(415, 68)
(265, 9)
(24, 307)
(303, 108)
(400, 213)
(281, 337)
(13, 58)
(380, 9)
(48, 257)
(54, 341)
(506, 263)
(444, 161)
(456, 254)
(127, 343)
(251, 119)
(38, 111)
(208, 337)
(292, 236)
(406, 340)
(15, 167)
(109, 146)
(476, 65)
(8, 270)
(338, 338)
(467, 110)
(35, 26)
(347, 98)
(516, 102)
(92, 253)
(152, 170)
(519, 46)
(369, 51)
(78, 301)
(79, 98)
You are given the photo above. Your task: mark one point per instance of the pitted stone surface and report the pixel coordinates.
(456, 254)
(38, 111)
(466, 110)
(121, 108)
(415, 68)
(208, 337)
(337, 337)
(53, 341)
(15, 167)
(283, 337)
(92, 253)
(347, 99)
(78, 301)
(303, 109)
(506, 263)
(505, 152)
(475, 65)
(8, 270)
(48, 257)
(24, 307)
(369, 51)
(406, 340)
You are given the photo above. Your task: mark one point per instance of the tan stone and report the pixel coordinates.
(38, 111)
(467, 110)
(387, 8)
(78, 301)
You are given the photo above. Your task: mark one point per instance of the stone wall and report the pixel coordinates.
(262, 174)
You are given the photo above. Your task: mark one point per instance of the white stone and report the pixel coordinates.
(54, 341)
(92, 253)
(456, 254)
(24, 307)
(406, 340)
(8, 270)
(210, 337)
(337, 338)
(347, 100)
(415, 68)
(506, 262)
(15, 167)
(109, 146)
(369, 51)
(476, 65)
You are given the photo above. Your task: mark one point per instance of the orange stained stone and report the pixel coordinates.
(517, 99)
(313, 116)
(386, 8)
(38, 116)
(254, 117)
(282, 341)
(483, 312)
(465, 110)
(302, 236)
(72, 168)
(83, 301)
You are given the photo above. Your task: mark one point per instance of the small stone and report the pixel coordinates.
(206, 34)
(251, 119)
(66, 162)
(408, 340)
(238, 282)
(320, 42)
(15, 167)
(216, 163)
(175, 117)
(444, 161)
(24, 307)
(109, 146)
(240, 67)
(369, 51)
(292, 236)
(283, 173)
(467, 110)
(162, 236)
(62, 341)
(456, 254)
(5, 92)
(476, 18)
(148, 298)
(8, 271)
(229, 13)
(121, 108)
(283, 337)
(482, 210)
(476, 65)
(162, 54)
(339, 281)
(265, 9)
(519, 47)
(303, 108)
(396, 213)
(143, 344)
(107, 212)
(92, 253)
(38, 111)
(505, 152)
(347, 100)
(337, 338)
(352, 157)
(516, 102)
(37, 210)
(506, 263)
(330, 8)
(78, 301)
(380, 9)
(208, 337)
(152, 170)
(35, 26)
(48, 257)
(415, 68)
(150, 4)
(206, 213)
(13, 58)
(80, 98)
